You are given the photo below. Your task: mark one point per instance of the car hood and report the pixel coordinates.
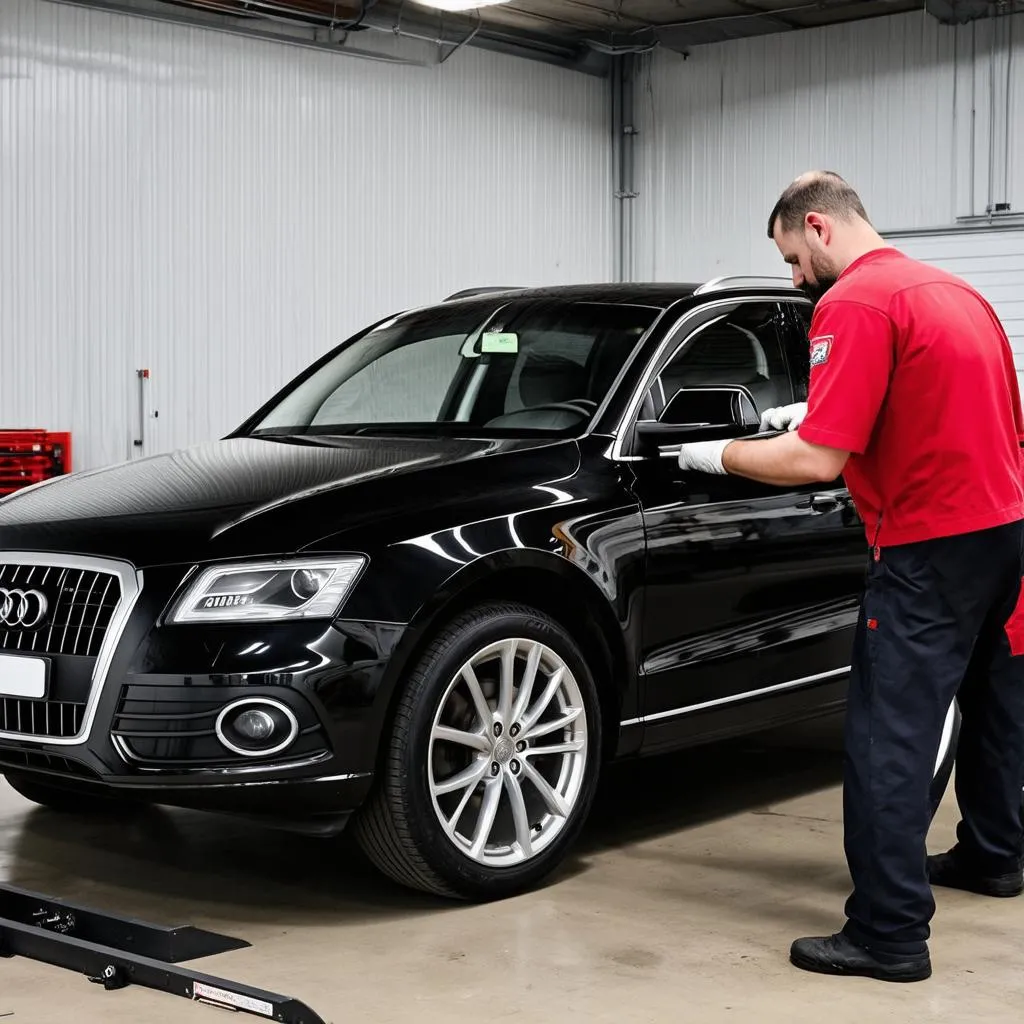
(188, 503)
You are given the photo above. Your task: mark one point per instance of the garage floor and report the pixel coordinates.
(694, 876)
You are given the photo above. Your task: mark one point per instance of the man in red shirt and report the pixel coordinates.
(913, 399)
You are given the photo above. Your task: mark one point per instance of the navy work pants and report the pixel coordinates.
(932, 629)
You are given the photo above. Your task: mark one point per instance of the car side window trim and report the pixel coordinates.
(799, 372)
(671, 346)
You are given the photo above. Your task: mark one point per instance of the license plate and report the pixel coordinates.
(22, 677)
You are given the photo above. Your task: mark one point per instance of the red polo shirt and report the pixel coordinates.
(913, 374)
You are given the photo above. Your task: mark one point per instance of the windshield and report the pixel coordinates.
(540, 367)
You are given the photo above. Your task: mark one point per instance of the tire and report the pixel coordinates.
(946, 757)
(401, 827)
(65, 801)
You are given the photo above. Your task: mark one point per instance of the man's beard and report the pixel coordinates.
(825, 276)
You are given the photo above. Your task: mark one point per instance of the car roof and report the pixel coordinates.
(648, 293)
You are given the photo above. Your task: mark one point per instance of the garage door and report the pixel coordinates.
(990, 260)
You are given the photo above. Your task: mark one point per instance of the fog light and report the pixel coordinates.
(257, 727)
(254, 725)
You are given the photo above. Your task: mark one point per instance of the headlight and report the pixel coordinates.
(311, 588)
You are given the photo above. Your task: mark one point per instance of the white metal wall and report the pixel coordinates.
(991, 261)
(221, 210)
(926, 121)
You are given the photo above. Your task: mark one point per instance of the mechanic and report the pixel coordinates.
(912, 399)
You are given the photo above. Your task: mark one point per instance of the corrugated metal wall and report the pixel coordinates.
(887, 103)
(221, 210)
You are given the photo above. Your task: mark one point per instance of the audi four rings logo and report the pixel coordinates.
(22, 608)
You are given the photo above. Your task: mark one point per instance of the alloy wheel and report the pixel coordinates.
(508, 752)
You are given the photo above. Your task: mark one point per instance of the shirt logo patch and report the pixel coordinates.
(820, 348)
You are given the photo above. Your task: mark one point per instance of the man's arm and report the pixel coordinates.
(786, 461)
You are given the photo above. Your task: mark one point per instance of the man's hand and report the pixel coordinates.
(784, 417)
(703, 456)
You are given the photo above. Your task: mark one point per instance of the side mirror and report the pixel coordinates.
(699, 414)
(719, 405)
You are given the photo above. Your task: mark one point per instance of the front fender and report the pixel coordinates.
(588, 574)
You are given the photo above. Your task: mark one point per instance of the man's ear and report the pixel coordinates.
(817, 226)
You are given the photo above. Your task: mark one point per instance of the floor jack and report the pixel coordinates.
(118, 951)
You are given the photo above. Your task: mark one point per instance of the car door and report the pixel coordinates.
(750, 590)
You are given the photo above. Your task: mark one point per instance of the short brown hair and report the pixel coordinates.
(820, 191)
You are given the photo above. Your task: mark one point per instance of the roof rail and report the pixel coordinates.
(717, 284)
(468, 293)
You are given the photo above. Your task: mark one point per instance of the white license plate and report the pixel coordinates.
(22, 677)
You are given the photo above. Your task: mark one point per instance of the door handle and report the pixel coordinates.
(824, 503)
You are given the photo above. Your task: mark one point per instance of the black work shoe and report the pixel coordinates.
(947, 870)
(836, 954)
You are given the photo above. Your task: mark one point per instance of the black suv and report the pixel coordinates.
(438, 580)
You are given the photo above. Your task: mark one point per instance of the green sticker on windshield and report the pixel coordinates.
(500, 342)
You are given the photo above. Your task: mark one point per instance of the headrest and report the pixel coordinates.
(724, 354)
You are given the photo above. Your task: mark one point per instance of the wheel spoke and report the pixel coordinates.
(572, 747)
(467, 777)
(546, 728)
(508, 681)
(546, 698)
(483, 711)
(453, 821)
(463, 739)
(556, 803)
(519, 816)
(488, 812)
(529, 678)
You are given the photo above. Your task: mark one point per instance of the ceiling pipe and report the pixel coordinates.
(303, 13)
(216, 15)
(419, 27)
(170, 16)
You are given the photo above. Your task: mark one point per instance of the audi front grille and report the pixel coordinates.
(49, 609)
(54, 719)
(72, 612)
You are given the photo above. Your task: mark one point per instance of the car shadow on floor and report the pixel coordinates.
(173, 866)
(649, 797)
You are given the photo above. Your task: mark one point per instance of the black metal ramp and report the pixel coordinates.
(172, 945)
(119, 951)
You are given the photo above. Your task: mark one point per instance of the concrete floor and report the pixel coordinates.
(693, 877)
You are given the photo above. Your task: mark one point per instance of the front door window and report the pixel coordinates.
(745, 347)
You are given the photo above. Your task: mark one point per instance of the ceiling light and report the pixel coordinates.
(458, 5)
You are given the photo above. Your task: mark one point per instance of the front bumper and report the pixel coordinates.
(314, 804)
(136, 714)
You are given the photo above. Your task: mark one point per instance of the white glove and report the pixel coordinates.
(784, 417)
(703, 456)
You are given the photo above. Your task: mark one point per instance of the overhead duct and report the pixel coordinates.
(329, 25)
(321, 12)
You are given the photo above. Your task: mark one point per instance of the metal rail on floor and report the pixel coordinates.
(118, 951)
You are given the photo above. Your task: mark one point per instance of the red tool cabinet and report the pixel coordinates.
(31, 456)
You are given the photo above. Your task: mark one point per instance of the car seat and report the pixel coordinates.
(722, 354)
